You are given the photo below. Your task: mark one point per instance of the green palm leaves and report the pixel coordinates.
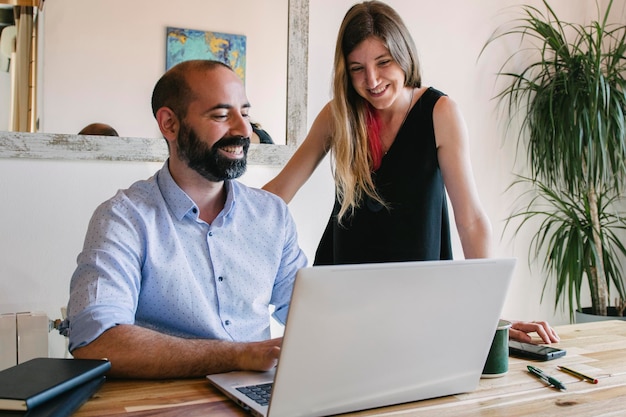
(571, 98)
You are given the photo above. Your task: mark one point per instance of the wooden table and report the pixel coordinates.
(598, 349)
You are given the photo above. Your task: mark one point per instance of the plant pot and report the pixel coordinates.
(586, 317)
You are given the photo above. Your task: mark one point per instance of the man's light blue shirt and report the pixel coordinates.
(149, 260)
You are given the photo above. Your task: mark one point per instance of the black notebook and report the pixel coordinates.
(63, 405)
(29, 384)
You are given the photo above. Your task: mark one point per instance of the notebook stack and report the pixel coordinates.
(49, 387)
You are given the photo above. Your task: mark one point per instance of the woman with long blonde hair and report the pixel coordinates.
(396, 147)
(399, 151)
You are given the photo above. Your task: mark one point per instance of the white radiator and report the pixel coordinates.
(23, 336)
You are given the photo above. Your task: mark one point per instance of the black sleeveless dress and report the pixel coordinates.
(416, 225)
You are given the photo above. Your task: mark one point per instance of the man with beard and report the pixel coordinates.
(177, 272)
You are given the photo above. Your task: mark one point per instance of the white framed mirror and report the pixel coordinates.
(71, 146)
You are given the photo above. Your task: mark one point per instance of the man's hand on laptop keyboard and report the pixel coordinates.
(259, 356)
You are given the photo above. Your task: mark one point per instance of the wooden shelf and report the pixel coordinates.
(32, 3)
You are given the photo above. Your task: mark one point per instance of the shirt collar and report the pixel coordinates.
(181, 204)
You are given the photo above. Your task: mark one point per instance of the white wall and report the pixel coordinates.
(46, 204)
(102, 57)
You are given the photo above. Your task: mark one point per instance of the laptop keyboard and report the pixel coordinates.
(259, 393)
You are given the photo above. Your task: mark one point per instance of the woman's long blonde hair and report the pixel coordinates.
(349, 143)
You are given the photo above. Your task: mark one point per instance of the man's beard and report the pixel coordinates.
(208, 162)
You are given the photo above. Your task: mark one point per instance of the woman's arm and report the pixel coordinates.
(304, 161)
(471, 220)
(453, 154)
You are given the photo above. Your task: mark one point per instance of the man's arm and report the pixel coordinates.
(137, 352)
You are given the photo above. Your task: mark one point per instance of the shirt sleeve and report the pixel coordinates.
(293, 258)
(105, 286)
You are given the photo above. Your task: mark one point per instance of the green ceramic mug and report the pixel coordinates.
(497, 363)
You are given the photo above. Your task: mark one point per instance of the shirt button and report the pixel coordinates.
(220, 279)
(227, 322)
(195, 210)
(210, 233)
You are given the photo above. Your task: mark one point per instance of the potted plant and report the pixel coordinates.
(570, 96)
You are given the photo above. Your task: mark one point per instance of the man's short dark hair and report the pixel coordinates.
(173, 91)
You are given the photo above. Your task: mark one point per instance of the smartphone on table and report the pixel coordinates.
(537, 352)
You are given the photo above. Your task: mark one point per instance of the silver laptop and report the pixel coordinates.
(370, 335)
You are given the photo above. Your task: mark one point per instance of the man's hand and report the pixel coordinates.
(260, 356)
(519, 331)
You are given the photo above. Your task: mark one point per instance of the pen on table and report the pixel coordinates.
(577, 374)
(546, 378)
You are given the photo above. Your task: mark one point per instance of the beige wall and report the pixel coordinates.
(102, 57)
(46, 204)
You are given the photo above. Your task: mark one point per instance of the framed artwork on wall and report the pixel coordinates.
(186, 44)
